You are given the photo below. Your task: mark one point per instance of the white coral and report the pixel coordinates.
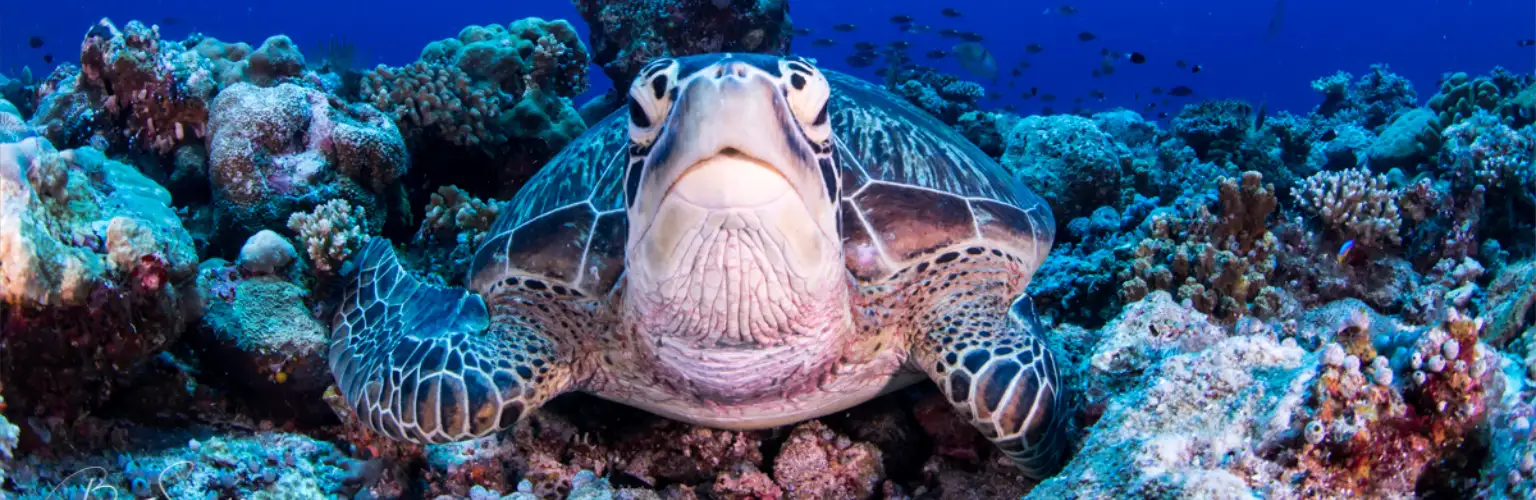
(330, 234)
(1360, 206)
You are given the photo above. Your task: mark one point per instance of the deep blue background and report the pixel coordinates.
(1421, 39)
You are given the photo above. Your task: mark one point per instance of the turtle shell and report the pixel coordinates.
(911, 186)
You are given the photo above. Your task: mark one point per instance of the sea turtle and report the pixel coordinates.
(752, 243)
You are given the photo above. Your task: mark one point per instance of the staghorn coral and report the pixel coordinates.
(1222, 262)
(95, 270)
(627, 34)
(330, 233)
(1355, 204)
(277, 150)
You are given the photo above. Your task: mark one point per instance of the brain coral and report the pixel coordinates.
(277, 150)
(95, 270)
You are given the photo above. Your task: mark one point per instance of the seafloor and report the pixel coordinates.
(1250, 304)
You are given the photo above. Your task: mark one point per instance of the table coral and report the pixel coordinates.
(1222, 262)
(277, 150)
(625, 35)
(95, 273)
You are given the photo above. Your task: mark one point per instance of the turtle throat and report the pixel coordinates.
(732, 267)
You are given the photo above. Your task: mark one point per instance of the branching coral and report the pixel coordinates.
(1221, 262)
(438, 99)
(330, 234)
(1357, 205)
(453, 216)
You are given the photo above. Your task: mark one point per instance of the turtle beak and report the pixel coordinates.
(732, 128)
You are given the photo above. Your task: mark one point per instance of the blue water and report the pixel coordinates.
(1420, 39)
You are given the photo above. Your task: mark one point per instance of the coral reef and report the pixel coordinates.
(628, 34)
(95, 275)
(1222, 262)
(330, 233)
(1359, 206)
(1068, 161)
(457, 223)
(281, 149)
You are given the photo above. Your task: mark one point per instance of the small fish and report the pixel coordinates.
(1138, 96)
(865, 46)
(976, 59)
(949, 33)
(1181, 64)
(1086, 36)
(1525, 43)
(1194, 69)
(1181, 91)
(1137, 58)
(1157, 91)
(802, 31)
(936, 54)
(1097, 73)
(1010, 108)
(899, 44)
(1106, 67)
(1047, 111)
(1331, 134)
(1097, 94)
(1345, 251)
(921, 28)
(1151, 106)
(994, 95)
(1258, 122)
(948, 12)
(1104, 51)
(1066, 9)
(170, 21)
(1025, 65)
(1033, 91)
(971, 37)
(860, 60)
(35, 42)
(1162, 114)
(901, 19)
(1048, 98)
(1016, 72)
(824, 42)
(845, 27)
(47, 58)
(1034, 48)
(1276, 21)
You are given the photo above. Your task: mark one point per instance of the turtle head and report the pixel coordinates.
(731, 148)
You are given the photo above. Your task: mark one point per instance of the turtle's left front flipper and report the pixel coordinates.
(426, 364)
(991, 361)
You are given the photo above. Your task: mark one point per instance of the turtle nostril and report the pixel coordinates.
(720, 72)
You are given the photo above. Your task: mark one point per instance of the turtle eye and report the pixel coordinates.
(650, 99)
(808, 94)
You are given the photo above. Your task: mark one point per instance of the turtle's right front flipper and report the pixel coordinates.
(423, 363)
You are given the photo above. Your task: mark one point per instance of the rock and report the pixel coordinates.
(1069, 161)
(818, 463)
(95, 275)
(274, 151)
(267, 253)
(261, 334)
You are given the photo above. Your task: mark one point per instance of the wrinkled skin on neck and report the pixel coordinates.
(735, 280)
